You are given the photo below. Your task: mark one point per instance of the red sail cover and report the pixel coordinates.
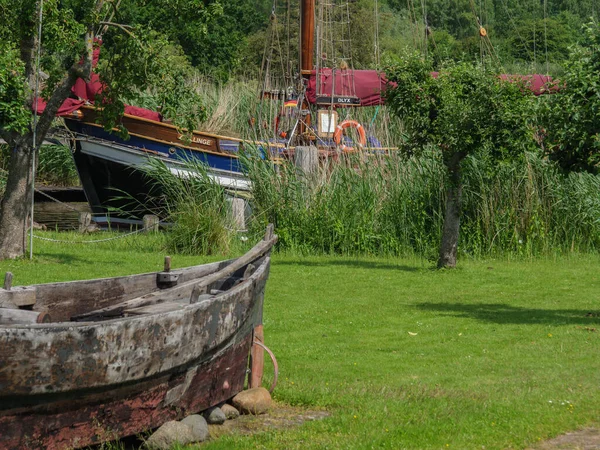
(86, 93)
(538, 84)
(368, 85)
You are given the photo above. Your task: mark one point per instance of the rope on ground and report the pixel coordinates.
(94, 241)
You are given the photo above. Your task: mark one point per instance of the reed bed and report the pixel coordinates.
(194, 204)
(229, 105)
(394, 205)
(55, 166)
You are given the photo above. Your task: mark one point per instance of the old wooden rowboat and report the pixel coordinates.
(91, 361)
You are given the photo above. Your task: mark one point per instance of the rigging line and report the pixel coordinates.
(412, 22)
(417, 33)
(546, 36)
(376, 41)
(266, 73)
(350, 49)
(534, 36)
(35, 117)
(425, 23)
(485, 39)
(510, 18)
(289, 40)
(278, 41)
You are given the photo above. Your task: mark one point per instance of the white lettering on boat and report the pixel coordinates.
(196, 140)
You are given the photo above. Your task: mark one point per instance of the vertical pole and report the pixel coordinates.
(258, 358)
(35, 114)
(257, 353)
(307, 42)
(150, 223)
(307, 35)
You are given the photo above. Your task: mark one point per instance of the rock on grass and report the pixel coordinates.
(253, 401)
(215, 416)
(230, 411)
(169, 434)
(198, 426)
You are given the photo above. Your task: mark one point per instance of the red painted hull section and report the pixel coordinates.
(128, 410)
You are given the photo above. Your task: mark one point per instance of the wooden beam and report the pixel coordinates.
(22, 316)
(258, 358)
(194, 287)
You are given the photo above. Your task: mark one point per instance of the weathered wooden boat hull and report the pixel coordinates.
(72, 384)
(129, 410)
(107, 164)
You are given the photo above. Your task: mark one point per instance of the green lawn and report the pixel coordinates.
(496, 354)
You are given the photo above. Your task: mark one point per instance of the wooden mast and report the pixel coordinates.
(307, 36)
(307, 43)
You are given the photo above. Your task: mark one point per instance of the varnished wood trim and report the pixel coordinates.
(172, 144)
(173, 127)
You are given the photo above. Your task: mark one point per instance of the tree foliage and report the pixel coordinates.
(571, 117)
(465, 110)
(212, 33)
(132, 58)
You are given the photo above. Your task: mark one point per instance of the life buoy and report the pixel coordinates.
(339, 130)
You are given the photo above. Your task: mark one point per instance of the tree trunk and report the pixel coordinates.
(449, 244)
(16, 203)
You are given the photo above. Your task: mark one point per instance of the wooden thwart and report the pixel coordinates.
(181, 291)
(21, 316)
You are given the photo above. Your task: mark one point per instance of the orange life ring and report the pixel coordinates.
(339, 130)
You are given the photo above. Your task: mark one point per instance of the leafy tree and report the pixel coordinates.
(211, 32)
(572, 115)
(132, 59)
(538, 37)
(465, 110)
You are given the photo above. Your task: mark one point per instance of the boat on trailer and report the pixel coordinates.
(85, 362)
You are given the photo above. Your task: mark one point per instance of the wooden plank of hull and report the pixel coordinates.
(130, 409)
(159, 130)
(183, 290)
(70, 298)
(66, 357)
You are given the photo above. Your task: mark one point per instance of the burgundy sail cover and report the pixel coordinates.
(368, 85)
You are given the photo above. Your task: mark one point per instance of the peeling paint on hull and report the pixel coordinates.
(73, 384)
(80, 422)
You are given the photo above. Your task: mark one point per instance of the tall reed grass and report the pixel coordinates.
(229, 105)
(394, 205)
(56, 166)
(194, 205)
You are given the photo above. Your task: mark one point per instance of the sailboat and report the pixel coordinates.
(303, 103)
(109, 164)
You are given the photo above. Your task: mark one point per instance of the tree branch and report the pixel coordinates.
(124, 28)
(8, 137)
(62, 91)
(28, 46)
(79, 69)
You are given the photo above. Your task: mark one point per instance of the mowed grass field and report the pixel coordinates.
(495, 354)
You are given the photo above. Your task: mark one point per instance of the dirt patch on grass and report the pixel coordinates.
(279, 417)
(587, 439)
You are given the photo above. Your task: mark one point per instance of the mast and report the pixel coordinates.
(307, 36)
